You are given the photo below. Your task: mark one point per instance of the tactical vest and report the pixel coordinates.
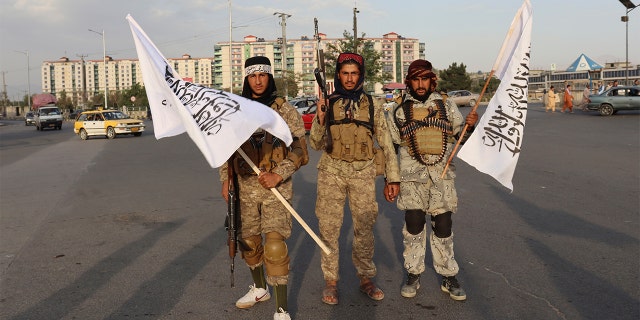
(264, 149)
(425, 131)
(352, 137)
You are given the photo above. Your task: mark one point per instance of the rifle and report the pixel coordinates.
(319, 71)
(232, 218)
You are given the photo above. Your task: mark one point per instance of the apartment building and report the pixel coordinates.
(82, 79)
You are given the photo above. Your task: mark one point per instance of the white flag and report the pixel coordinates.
(495, 145)
(218, 122)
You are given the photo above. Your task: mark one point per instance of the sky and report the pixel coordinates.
(461, 31)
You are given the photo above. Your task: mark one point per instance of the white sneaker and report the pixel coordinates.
(281, 315)
(252, 297)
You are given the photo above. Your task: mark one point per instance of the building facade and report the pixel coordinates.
(82, 79)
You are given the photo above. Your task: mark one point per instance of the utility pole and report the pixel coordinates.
(84, 81)
(283, 49)
(4, 96)
(355, 30)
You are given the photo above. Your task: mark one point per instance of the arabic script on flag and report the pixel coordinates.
(496, 143)
(218, 122)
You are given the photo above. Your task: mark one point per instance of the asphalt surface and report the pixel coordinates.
(133, 228)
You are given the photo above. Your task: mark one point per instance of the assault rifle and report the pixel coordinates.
(319, 72)
(232, 218)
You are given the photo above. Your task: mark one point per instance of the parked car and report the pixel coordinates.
(615, 99)
(463, 97)
(308, 114)
(107, 123)
(48, 116)
(303, 102)
(74, 115)
(29, 119)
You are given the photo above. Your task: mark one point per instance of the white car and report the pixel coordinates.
(109, 123)
(463, 97)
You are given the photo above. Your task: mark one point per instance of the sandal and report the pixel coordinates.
(330, 294)
(373, 292)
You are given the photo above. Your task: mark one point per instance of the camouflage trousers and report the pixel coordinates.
(261, 212)
(434, 197)
(415, 248)
(332, 193)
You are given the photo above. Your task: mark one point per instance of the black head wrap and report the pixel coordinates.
(259, 64)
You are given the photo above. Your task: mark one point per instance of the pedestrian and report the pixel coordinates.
(585, 98)
(426, 126)
(261, 212)
(615, 84)
(636, 82)
(551, 100)
(346, 133)
(568, 99)
(601, 88)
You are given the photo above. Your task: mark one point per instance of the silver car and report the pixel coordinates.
(615, 99)
(463, 97)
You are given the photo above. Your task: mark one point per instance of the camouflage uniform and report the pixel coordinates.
(260, 211)
(338, 179)
(421, 188)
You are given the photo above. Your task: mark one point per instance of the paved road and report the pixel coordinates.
(132, 228)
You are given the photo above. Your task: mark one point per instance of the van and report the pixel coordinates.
(48, 116)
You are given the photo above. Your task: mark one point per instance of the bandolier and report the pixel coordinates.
(425, 131)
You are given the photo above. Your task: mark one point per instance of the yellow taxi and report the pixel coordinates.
(109, 123)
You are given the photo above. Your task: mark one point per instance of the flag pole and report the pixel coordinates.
(493, 70)
(287, 205)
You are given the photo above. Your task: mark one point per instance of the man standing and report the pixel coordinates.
(261, 212)
(345, 131)
(426, 126)
(585, 97)
(551, 100)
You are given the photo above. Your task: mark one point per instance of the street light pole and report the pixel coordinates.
(630, 6)
(26, 52)
(104, 62)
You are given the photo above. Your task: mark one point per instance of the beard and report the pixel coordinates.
(421, 97)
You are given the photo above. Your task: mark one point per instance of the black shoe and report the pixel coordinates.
(451, 286)
(410, 289)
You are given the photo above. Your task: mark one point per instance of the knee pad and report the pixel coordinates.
(415, 220)
(441, 224)
(252, 250)
(276, 255)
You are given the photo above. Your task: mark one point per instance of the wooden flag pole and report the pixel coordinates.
(288, 206)
(464, 129)
(493, 70)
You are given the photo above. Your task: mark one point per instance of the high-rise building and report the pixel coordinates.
(221, 71)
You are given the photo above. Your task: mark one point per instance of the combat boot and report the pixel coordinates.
(451, 286)
(410, 288)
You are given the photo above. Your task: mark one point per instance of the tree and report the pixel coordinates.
(64, 102)
(292, 84)
(454, 78)
(372, 59)
(137, 91)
